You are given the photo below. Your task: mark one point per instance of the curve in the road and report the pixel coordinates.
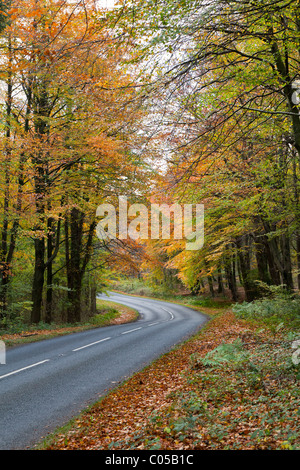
(44, 384)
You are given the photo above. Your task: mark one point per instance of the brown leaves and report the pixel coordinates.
(147, 410)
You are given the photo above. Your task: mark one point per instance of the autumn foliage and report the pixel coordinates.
(69, 124)
(184, 102)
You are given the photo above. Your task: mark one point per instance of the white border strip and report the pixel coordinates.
(129, 331)
(91, 344)
(24, 368)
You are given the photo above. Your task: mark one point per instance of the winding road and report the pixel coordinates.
(44, 384)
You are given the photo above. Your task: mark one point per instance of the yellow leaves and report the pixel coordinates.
(285, 445)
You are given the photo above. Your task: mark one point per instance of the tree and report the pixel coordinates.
(227, 72)
(74, 136)
(4, 6)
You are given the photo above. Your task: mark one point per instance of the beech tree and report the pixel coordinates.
(227, 75)
(73, 139)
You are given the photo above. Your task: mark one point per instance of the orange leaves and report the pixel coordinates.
(123, 412)
(103, 146)
(153, 406)
(123, 415)
(70, 126)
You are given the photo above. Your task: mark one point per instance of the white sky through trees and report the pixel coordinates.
(106, 3)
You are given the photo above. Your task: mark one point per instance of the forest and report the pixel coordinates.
(163, 101)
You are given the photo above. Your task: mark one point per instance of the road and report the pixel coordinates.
(46, 383)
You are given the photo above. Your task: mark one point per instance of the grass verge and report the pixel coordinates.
(108, 313)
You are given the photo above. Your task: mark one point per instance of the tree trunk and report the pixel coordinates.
(5, 265)
(93, 291)
(220, 282)
(49, 293)
(38, 280)
(77, 257)
(73, 253)
(261, 258)
(245, 270)
(211, 286)
(41, 113)
(287, 276)
(229, 263)
(297, 212)
(298, 258)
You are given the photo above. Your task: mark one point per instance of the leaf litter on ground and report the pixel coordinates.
(204, 394)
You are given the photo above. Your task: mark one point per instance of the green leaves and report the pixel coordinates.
(4, 19)
(226, 353)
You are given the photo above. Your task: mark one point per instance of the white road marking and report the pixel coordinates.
(172, 315)
(24, 368)
(83, 347)
(129, 331)
(91, 344)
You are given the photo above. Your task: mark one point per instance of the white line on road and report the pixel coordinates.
(24, 368)
(91, 344)
(172, 315)
(129, 331)
(82, 347)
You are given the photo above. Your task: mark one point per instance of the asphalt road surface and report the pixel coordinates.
(44, 384)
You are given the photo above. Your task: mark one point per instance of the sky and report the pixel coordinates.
(106, 3)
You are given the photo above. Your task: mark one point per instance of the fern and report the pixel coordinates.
(226, 353)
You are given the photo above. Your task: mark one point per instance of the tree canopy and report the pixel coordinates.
(188, 102)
